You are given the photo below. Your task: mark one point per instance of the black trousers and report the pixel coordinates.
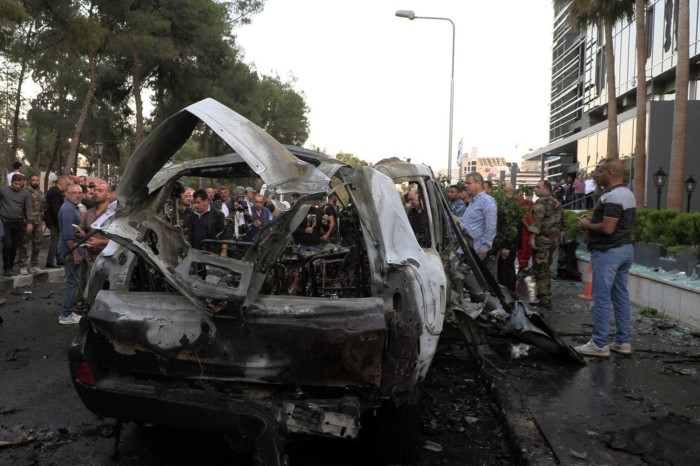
(14, 235)
(51, 256)
(506, 269)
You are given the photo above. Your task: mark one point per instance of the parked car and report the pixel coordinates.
(273, 340)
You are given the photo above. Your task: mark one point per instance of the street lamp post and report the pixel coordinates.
(689, 188)
(411, 15)
(99, 147)
(659, 182)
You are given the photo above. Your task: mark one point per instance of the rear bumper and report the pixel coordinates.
(257, 414)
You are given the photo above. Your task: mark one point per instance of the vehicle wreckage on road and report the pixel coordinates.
(275, 340)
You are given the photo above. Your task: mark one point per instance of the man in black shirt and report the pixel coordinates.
(54, 200)
(205, 223)
(330, 220)
(418, 218)
(308, 234)
(610, 244)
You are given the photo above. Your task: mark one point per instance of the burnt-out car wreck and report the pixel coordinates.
(276, 341)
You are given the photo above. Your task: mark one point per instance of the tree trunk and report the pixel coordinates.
(136, 78)
(640, 141)
(57, 141)
(610, 84)
(14, 144)
(73, 154)
(676, 174)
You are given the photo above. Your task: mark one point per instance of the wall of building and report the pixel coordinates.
(660, 119)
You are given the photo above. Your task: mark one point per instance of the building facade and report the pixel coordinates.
(578, 103)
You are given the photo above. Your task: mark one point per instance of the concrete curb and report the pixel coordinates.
(21, 281)
(527, 442)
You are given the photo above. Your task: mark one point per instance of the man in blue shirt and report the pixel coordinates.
(68, 216)
(479, 220)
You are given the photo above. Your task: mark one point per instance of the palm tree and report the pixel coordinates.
(640, 153)
(585, 13)
(674, 201)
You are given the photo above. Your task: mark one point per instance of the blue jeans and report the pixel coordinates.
(72, 273)
(610, 278)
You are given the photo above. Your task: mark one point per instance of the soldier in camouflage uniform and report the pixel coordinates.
(545, 232)
(37, 235)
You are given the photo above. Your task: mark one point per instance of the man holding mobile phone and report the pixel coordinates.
(93, 246)
(68, 216)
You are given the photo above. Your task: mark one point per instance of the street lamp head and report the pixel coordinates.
(690, 184)
(406, 14)
(99, 147)
(659, 178)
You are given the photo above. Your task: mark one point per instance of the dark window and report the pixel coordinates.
(668, 14)
(650, 30)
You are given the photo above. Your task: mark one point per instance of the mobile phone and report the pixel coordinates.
(77, 227)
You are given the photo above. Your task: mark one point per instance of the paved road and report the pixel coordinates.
(626, 410)
(38, 400)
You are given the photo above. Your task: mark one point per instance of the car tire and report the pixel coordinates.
(393, 433)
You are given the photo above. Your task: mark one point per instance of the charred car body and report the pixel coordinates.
(273, 341)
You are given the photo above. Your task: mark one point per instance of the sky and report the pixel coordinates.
(378, 86)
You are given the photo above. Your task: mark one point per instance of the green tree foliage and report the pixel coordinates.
(510, 215)
(91, 57)
(351, 160)
(139, 40)
(283, 111)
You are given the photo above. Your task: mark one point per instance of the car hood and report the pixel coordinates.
(278, 168)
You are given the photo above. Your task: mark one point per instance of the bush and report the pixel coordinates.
(685, 230)
(571, 219)
(653, 226)
(674, 231)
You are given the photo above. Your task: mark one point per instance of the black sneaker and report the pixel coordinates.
(50, 265)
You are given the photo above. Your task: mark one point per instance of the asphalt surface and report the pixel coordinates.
(625, 410)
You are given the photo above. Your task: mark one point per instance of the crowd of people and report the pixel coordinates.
(227, 223)
(211, 219)
(575, 192)
(541, 232)
(66, 210)
(214, 220)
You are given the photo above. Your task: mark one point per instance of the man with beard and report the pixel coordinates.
(610, 243)
(36, 237)
(545, 236)
(54, 201)
(96, 242)
(15, 208)
(456, 203)
(68, 216)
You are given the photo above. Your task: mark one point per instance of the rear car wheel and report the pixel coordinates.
(393, 432)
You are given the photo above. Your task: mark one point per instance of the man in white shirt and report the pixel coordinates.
(590, 187)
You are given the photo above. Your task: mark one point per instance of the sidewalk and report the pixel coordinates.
(646, 406)
(7, 284)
